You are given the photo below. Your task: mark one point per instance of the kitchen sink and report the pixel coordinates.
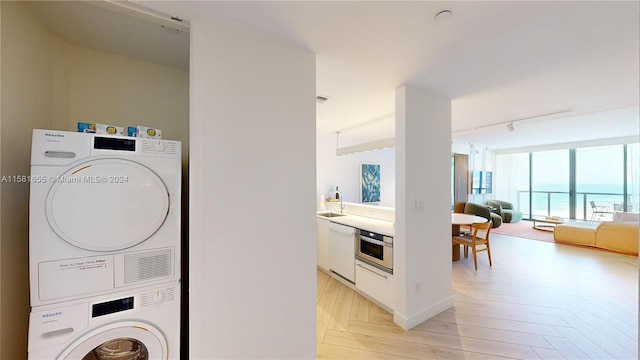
(330, 214)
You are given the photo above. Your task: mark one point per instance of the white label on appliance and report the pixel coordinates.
(70, 277)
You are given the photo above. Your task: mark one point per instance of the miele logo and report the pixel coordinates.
(49, 315)
(54, 135)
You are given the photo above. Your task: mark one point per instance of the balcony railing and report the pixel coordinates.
(557, 203)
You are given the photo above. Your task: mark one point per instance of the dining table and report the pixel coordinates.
(458, 219)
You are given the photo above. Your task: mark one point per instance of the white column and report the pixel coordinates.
(422, 246)
(252, 200)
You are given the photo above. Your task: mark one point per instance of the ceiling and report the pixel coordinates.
(111, 27)
(560, 71)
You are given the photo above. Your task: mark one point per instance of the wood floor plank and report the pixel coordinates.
(479, 332)
(373, 308)
(566, 348)
(464, 300)
(400, 348)
(509, 315)
(628, 340)
(538, 300)
(322, 280)
(510, 325)
(548, 354)
(329, 351)
(595, 350)
(325, 308)
(381, 318)
(340, 317)
(626, 324)
(360, 308)
(443, 340)
(609, 344)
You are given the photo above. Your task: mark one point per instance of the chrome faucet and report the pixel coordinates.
(340, 197)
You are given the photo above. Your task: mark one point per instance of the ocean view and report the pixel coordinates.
(553, 199)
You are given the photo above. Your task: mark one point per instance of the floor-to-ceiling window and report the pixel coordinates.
(565, 182)
(550, 183)
(599, 181)
(633, 177)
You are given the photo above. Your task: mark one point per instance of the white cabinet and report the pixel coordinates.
(342, 251)
(322, 233)
(376, 283)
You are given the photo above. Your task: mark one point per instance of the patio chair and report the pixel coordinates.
(601, 210)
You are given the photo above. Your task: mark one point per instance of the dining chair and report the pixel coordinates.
(477, 240)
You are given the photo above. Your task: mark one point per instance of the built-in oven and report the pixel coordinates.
(375, 249)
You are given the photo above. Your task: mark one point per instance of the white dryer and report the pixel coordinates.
(104, 214)
(141, 324)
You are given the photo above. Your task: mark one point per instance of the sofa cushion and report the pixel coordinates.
(496, 220)
(483, 211)
(626, 216)
(621, 236)
(505, 210)
(511, 216)
(618, 236)
(576, 233)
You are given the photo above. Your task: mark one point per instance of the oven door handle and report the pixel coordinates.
(375, 242)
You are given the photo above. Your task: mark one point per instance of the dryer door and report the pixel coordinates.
(122, 341)
(107, 204)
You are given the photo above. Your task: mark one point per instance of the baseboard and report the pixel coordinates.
(423, 315)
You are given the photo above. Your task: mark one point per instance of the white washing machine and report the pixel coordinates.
(142, 324)
(104, 214)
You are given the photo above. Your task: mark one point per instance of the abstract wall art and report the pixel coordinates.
(369, 183)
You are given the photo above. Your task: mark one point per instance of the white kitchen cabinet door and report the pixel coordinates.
(322, 228)
(342, 251)
(376, 283)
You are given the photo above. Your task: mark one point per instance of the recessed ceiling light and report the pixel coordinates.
(442, 16)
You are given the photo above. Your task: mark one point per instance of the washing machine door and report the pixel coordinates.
(119, 341)
(107, 204)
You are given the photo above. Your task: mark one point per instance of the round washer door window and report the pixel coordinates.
(107, 204)
(119, 341)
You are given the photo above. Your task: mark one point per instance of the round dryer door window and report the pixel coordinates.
(107, 204)
(119, 341)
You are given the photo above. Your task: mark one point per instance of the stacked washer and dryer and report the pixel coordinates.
(104, 247)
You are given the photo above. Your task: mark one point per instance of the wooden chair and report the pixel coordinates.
(479, 236)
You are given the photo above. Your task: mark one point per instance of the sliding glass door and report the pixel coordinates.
(599, 181)
(633, 177)
(550, 183)
(565, 182)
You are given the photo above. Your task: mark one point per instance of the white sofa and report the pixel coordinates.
(620, 235)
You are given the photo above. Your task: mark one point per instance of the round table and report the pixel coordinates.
(466, 219)
(458, 219)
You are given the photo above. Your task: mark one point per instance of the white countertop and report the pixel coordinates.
(362, 222)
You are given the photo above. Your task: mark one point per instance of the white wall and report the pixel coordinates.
(48, 83)
(0, 183)
(422, 244)
(26, 104)
(252, 201)
(344, 171)
(99, 87)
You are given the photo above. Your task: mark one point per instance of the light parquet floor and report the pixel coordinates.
(539, 301)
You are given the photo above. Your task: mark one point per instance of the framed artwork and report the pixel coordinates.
(369, 183)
